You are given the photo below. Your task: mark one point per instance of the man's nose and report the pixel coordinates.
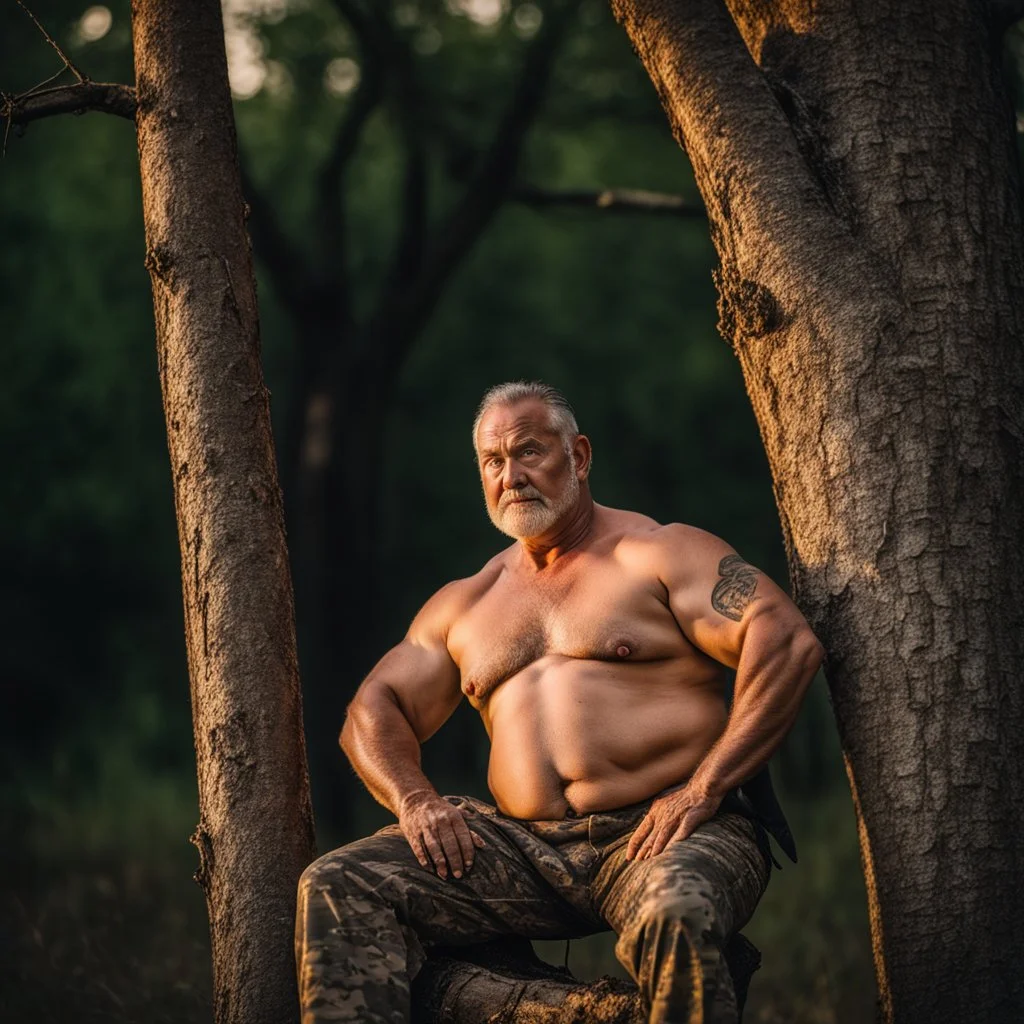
(513, 478)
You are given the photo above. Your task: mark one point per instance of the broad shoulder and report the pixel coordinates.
(445, 606)
(667, 549)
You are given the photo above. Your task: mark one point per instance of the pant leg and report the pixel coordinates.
(674, 914)
(366, 911)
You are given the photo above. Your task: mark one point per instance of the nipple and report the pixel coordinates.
(470, 689)
(622, 651)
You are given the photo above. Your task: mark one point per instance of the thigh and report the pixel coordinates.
(502, 894)
(714, 879)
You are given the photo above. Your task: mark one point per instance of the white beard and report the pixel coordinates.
(532, 518)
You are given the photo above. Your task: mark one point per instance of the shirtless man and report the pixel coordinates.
(593, 649)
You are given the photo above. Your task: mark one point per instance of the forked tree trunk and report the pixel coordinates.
(858, 165)
(255, 833)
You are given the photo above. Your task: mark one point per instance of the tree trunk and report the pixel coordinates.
(255, 832)
(858, 165)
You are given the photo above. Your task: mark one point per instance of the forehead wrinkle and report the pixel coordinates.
(525, 423)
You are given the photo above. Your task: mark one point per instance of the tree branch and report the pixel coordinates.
(618, 200)
(399, 319)
(408, 256)
(738, 138)
(53, 42)
(368, 94)
(107, 97)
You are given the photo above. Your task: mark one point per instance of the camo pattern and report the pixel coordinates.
(368, 912)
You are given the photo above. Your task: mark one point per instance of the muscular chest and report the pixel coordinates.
(605, 618)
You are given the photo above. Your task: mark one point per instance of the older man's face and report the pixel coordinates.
(529, 479)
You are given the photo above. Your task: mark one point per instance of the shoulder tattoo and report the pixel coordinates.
(735, 590)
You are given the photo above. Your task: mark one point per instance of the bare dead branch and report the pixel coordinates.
(617, 200)
(53, 42)
(107, 97)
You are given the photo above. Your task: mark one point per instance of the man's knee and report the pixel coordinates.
(685, 919)
(357, 870)
(331, 871)
(693, 912)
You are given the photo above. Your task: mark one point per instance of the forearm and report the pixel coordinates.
(383, 749)
(773, 674)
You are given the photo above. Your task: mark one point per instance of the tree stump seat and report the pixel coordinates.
(505, 982)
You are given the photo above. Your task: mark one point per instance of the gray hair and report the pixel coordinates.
(563, 419)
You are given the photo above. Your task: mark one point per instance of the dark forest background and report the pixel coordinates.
(97, 778)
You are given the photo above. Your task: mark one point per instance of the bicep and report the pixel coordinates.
(422, 680)
(715, 596)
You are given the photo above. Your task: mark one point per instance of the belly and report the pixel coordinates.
(593, 735)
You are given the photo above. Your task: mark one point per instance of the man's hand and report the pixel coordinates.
(672, 817)
(438, 833)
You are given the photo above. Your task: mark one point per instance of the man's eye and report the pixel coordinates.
(530, 451)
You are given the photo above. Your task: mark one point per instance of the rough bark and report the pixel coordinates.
(857, 162)
(255, 829)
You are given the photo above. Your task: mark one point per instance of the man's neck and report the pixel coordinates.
(540, 552)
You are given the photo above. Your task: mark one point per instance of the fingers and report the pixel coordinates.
(643, 830)
(436, 853)
(681, 833)
(440, 837)
(660, 839)
(655, 838)
(478, 841)
(672, 829)
(450, 845)
(466, 848)
(421, 853)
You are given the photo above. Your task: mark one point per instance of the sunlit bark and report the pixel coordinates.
(255, 829)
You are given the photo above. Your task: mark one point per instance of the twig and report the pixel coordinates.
(53, 42)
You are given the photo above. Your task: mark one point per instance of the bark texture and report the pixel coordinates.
(255, 831)
(858, 165)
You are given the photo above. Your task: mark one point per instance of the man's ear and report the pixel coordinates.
(582, 456)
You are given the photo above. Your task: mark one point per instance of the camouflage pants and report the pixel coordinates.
(368, 911)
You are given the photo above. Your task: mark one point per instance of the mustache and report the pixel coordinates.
(525, 493)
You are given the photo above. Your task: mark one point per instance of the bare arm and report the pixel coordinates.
(735, 614)
(407, 697)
